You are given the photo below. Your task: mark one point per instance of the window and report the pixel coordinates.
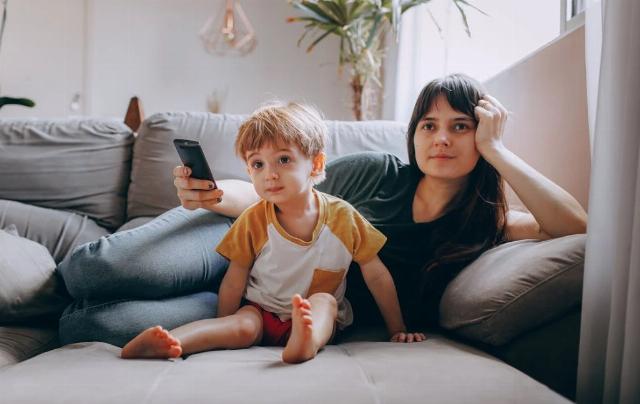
(509, 32)
(571, 14)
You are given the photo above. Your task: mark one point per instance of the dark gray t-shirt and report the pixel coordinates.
(382, 188)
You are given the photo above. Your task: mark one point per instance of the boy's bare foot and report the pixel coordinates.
(152, 343)
(300, 346)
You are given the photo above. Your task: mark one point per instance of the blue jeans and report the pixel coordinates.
(165, 272)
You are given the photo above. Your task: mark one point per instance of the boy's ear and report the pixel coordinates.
(319, 161)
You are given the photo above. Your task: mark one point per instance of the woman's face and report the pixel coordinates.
(444, 142)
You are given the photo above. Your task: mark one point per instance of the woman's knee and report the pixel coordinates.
(82, 268)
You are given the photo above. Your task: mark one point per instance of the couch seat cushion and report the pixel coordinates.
(21, 343)
(437, 370)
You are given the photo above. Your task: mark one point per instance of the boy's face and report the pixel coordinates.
(280, 173)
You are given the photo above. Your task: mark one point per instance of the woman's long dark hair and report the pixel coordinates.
(480, 207)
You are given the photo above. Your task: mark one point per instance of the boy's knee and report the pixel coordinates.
(247, 331)
(326, 299)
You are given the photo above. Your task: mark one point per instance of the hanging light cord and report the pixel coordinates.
(4, 20)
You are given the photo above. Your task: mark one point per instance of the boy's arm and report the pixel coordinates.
(380, 283)
(232, 288)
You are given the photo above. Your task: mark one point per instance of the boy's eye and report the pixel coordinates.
(284, 160)
(256, 165)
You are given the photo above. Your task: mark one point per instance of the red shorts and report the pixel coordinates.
(275, 332)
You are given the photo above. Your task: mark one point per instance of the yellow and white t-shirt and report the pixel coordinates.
(283, 265)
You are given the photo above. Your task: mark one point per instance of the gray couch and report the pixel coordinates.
(510, 320)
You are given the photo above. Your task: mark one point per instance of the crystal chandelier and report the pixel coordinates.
(229, 33)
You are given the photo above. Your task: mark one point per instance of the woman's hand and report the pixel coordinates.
(408, 337)
(194, 193)
(492, 117)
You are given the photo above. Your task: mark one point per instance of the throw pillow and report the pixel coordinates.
(514, 288)
(28, 285)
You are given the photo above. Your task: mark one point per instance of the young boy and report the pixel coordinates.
(294, 242)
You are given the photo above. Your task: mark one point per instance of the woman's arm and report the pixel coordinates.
(554, 212)
(380, 283)
(194, 194)
(232, 288)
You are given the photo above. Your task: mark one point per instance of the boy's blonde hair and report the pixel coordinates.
(292, 124)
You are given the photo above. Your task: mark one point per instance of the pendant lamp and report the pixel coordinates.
(229, 33)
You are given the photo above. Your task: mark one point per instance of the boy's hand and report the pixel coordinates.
(408, 337)
(194, 193)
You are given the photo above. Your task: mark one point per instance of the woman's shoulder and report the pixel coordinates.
(365, 160)
(364, 166)
(360, 178)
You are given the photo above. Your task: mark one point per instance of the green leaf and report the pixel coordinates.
(331, 7)
(373, 30)
(466, 3)
(313, 11)
(464, 18)
(410, 4)
(320, 38)
(16, 101)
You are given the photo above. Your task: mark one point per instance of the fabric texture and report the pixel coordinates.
(18, 344)
(152, 192)
(283, 265)
(79, 165)
(171, 255)
(28, 286)
(437, 370)
(59, 231)
(275, 332)
(514, 288)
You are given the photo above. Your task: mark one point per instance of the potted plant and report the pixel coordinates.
(10, 100)
(361, 26)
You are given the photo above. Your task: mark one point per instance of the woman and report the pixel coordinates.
(439, 212)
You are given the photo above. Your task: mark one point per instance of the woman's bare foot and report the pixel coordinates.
(152, 343)
(300, 346)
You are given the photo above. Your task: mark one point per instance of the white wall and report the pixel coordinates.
(547, 97)
(41, 55)
(150, 48)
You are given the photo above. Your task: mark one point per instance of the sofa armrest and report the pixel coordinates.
(514, 288)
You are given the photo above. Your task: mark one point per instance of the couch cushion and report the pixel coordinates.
(21, 343)
(28, 285)
(81, 165)
(514, 288)
(434, 371)
(60, 231)
(152, 192)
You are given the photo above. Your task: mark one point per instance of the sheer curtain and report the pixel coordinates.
(609, 361)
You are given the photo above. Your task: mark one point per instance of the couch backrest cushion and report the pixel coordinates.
(151, 191)
(81, 165)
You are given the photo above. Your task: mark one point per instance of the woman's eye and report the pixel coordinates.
(256, 165)
(428, 126)
(459, 127)
(284, 160)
